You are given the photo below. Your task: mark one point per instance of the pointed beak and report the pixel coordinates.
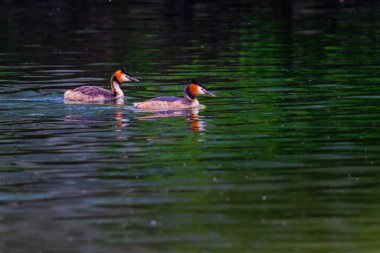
(209, 93)
(132, 79)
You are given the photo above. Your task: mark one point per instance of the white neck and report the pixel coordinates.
(195, 102)
(116, 88)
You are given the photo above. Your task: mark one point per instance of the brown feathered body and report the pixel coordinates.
(89, 93)
(167, 102)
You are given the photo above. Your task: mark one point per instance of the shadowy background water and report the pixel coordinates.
(285, 159)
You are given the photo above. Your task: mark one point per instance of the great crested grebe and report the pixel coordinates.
(191, 91)
(96, 94)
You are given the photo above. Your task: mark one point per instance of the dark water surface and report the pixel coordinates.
(284, 159)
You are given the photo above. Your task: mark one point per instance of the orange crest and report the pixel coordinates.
(194, 89)
(119, 76)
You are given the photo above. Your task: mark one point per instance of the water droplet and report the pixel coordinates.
(152, 223)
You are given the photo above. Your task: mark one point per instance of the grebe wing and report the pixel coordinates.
(93, 91)
(166, 99)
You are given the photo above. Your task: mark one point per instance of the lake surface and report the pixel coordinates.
(284, 159)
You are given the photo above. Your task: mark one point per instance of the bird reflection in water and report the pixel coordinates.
(119, 115)
(121, 121)
(114, 113)
(191, 116)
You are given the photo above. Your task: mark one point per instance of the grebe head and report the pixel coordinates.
(194, 88)
(122, 76)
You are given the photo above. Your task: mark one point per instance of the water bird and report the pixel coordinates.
(94, 94)
(168, 102)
